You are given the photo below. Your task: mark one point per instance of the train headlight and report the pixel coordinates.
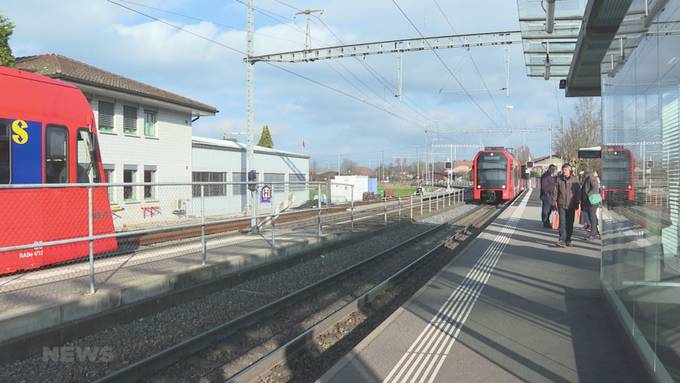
(503, 187)
(630, 187)
(479, 186)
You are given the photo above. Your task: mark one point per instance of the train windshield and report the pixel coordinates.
(615, 170)
(4, 153)
(88, 171)
(491, 170)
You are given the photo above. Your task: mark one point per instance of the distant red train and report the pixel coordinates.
(497, 175)
(48, 136)
(618, 174)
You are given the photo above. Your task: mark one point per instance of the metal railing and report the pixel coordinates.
(63, 205)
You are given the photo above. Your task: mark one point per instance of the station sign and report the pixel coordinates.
(266, 194)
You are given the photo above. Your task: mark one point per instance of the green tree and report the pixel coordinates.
(6, 29)
(266, 138)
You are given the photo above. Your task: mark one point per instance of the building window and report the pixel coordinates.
(130, 120)
(56, 155)
(276, 181)
(105, 111)
(129, 176)
(110, 171)
(209, 190)
(149, 177)
(239, 189)
(293, 178)
(149, 123)
(86, 158)
(4, 153)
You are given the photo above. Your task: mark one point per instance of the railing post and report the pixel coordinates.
(410, 206)
(318, 194)
(399, 206)
(273, 230)
(429, 203)
(90, 230)
(421, 203)
(385, 208)
(351, 209)
(204, 247)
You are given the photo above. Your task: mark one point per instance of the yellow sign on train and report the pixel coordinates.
(19, 134)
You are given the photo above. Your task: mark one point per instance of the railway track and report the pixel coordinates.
(234, 348)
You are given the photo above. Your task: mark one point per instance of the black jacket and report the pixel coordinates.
(591, 185)
(567, 192)
(547, 185)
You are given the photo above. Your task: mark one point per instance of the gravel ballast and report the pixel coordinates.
(127, 343)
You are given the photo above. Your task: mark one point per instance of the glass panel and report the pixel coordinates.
(129, 176)
(239, 189)
(149, 177)
(56, 158)
(87, 171)
(276, 180)
(641, 226)
(149, 123)
(4, 153)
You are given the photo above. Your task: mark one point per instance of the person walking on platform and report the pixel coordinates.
(547, 197)
(591, 202)
(567, 198)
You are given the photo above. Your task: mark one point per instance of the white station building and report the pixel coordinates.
(145, 135)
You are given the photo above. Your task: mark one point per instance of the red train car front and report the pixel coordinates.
(618, 174)
(47, 136)
(497, 176)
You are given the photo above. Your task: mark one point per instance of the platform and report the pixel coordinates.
(511, 307)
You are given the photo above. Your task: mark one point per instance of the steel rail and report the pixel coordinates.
(169, 356)
(283, 353)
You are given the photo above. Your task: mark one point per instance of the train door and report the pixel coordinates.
(20, 209)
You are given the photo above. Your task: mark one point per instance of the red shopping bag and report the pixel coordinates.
(556, 220)
(577, 216)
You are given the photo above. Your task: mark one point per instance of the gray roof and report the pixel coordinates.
(65, 68)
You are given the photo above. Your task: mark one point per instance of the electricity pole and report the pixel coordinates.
(308, 36)
(250, 113)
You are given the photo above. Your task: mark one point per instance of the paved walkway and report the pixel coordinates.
(511, 307)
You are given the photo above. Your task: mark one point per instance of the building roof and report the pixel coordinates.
(555, 158)
(65, 68)
(241, 147)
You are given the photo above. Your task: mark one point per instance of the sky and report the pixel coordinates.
(331, 124)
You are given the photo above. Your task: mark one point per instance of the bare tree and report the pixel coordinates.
(523, 153)
(583, 131)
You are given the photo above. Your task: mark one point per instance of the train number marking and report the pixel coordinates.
(19, 134)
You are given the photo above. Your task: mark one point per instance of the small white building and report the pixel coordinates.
(215, 160)
(341, 192)
(144, 136)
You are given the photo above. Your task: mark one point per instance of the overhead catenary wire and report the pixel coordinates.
(385, 83)
(372, 71)
(472, 59)
(444, 64)
(241, 52)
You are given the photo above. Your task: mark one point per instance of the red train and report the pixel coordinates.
(618, 174)
(497, 175)
(48, 136)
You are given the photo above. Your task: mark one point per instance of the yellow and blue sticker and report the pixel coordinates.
(26, 141)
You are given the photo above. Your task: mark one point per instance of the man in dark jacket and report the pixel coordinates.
(567, 198)
(547, 197)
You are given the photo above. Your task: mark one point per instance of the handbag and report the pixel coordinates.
(595, 199)
(556, 221)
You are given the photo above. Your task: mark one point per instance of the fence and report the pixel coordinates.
(53, 223)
